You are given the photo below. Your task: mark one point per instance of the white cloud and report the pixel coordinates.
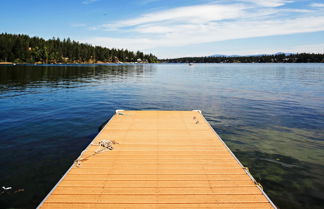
(310, 48)
(269, 3)
(193, 14)
(321, 5)
(126, 43)
(206, 23)
(182, 35)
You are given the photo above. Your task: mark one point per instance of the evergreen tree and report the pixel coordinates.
(22, 48)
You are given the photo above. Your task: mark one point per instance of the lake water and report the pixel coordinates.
(270, 115)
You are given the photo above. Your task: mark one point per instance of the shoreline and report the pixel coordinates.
(121, 63)
(6, 63)
(160, 62)
(71, 63)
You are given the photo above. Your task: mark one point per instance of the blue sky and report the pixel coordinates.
(174, 28)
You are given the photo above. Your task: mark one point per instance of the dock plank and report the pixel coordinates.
(162, 160)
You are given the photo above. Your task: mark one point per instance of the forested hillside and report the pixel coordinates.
(25, 49)
(276, 58)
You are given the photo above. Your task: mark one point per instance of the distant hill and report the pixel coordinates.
(285, 53)
(251, 55)
(223, 55)
(279, 57)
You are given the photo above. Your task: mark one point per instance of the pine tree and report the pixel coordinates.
(22, 48)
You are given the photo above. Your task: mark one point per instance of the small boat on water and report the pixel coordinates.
(190, 64)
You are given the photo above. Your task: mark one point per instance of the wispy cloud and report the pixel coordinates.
(195, 34)
(89, 1)
(269, 3)
(299, 48)
(212, 22)
(321, 5)
(194, 14)
(310, 48)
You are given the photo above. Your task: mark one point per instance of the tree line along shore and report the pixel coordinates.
(25, 49)
(276, 58)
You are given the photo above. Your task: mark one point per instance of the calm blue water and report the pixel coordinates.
(270, 115)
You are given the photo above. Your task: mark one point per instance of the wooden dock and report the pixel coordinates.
(160, 159)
